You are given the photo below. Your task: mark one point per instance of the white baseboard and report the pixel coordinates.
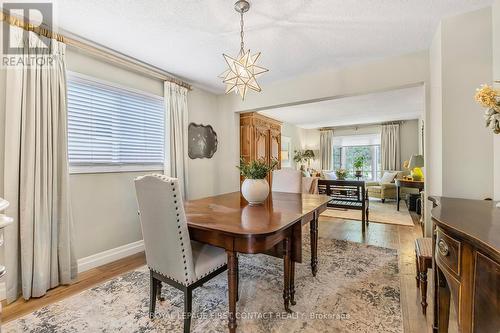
(105, 257)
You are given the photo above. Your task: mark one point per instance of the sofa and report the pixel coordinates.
(387, 190)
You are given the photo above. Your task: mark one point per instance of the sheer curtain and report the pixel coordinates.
(390, 147)
(38, 248)
(326, 149)
(176, 115)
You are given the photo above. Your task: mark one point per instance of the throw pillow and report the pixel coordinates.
(330, 175)
(388, 177)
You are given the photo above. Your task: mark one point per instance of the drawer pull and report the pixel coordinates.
(443, 248)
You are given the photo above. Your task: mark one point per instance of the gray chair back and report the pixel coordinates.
(287, 180)
(164, 228)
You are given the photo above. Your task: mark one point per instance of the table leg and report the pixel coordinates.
(397, 196)
(292, 283)
(314, 244)
(232, 276)
(287, 258)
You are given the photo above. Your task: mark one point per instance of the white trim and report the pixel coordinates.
(105, 257)
(76, 169)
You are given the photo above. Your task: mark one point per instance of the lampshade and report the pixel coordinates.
(416, 161)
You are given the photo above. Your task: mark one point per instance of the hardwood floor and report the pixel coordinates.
(392, 236)
(85, 281)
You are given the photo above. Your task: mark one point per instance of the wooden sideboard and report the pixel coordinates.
(260, 138)
(467, 261)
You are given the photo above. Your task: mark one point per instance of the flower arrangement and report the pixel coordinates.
(341, 174)
(489, 98)
(255, 169)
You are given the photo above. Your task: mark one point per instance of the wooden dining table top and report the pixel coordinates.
(231, 213)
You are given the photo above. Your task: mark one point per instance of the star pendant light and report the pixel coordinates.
(242, 72)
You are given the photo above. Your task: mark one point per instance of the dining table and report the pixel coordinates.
(274, 227)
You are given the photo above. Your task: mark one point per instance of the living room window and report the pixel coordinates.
(347, 148)
(113, 128)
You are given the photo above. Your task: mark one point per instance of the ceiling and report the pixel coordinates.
(187, 37)
(399, 104)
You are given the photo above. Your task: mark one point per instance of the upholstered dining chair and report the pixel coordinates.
(287, 180)
(170, 254)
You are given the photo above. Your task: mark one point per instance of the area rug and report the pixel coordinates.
(357, 289)
(379, 212)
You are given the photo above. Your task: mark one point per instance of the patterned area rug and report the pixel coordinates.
(357, 289)
(379, 213)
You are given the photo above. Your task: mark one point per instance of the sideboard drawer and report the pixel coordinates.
(448, 251)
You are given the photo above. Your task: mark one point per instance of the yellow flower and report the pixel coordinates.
(488, 97)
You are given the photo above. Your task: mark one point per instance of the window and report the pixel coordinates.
(111, 128)
(347, 148)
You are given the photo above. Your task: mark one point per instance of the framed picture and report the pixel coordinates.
(286, 152)
(202, 141)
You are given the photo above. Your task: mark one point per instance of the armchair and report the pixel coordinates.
(381, 190)
(386, 190)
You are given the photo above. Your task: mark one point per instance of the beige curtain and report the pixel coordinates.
(176, 116)
(326, 149)
(38, 246)
(390, 147)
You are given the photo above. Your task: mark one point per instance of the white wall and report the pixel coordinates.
(203, 174)
(354, 80)
(104, 205)
(466, 63)
(409, 137)
(296, 135)
(434, 120)
(496, 76)
(390, 73)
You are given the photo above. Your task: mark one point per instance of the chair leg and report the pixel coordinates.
(158, 295)
(417, 276)
(423, 290)
(188, 301)
(153, 285)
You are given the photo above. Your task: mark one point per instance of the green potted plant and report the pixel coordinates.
(304, 156)
(341, 174)
(255, 188)
(358, 164)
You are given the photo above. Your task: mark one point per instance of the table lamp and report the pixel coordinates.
(416, 162)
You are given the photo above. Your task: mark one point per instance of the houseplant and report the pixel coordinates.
(255, 188)
(358, 164)
(341, 174)
(303, 156)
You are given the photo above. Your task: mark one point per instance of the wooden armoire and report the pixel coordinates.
(260, 138)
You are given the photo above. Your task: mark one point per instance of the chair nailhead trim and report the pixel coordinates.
(186, 273)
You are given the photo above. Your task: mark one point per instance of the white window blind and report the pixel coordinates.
(113, 126)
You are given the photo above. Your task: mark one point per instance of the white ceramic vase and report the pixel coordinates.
(255, 191)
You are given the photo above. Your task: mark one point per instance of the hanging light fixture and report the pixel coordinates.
(242, 72)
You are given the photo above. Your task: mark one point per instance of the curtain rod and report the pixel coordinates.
(395, 122)
(97, 50)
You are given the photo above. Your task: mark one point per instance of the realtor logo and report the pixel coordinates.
(36, 15)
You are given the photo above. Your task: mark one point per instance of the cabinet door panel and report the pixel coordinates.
(486, 295)
(261, 145)
(275, 147)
